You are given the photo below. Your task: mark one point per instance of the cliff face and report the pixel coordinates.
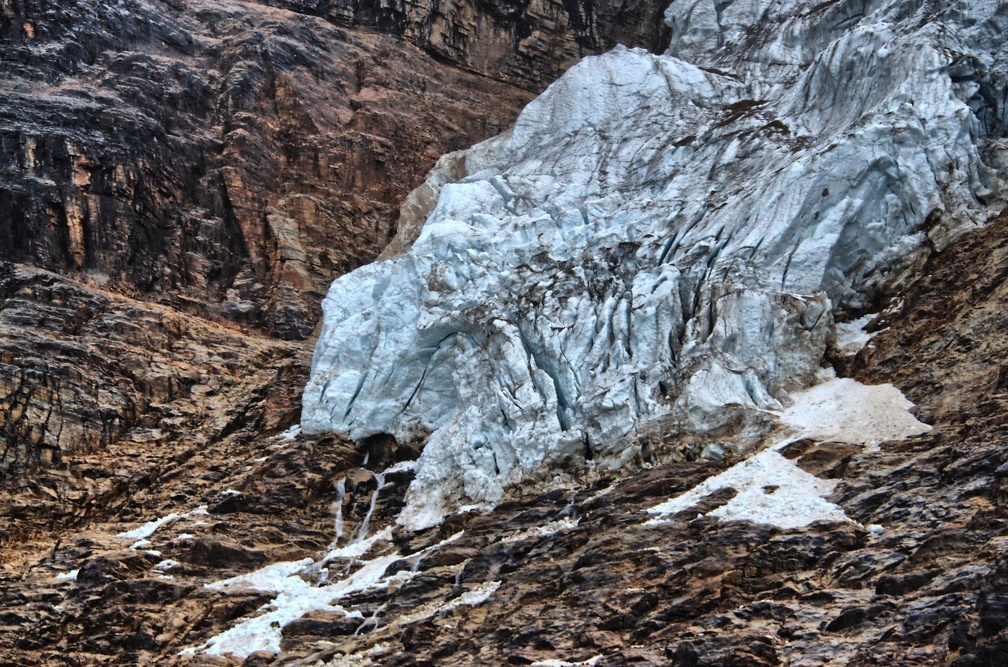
(226, 162)
(526, 42)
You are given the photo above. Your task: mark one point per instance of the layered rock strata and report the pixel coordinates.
(225, 160)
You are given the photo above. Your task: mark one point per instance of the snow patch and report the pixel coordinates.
(851, 337)
(148, 528)
(772, 490)
(143, 532)
(550, 528)
(844, 410)
(769, 489)
(297, 593)
(470, 598)
(167, 564)
(590, 662)
(295, 598)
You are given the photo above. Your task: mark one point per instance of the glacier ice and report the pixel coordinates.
(661, 244)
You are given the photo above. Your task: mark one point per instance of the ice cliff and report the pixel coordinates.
(662, 243)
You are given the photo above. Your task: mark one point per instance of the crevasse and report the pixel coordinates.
(661, 244)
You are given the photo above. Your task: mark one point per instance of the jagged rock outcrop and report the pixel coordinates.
(661, 243)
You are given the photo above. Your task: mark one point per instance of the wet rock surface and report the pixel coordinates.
(921, 578)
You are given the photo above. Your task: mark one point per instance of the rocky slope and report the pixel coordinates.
(581, 578)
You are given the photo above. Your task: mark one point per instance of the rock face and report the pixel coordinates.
(527, 42)
(83, 368)
(661, 243)
(226, 161)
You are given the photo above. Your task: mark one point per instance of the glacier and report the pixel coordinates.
(659, 249)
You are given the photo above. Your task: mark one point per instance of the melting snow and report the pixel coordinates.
(796, 498)
(847, 411)
(143, 532)
(770, 489)
(543, 530)
(148, 528)
(590, 662)
(167, 564)
(297, 596)
(471, 598)
(71, 575)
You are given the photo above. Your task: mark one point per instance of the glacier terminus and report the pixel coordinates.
(661, 245)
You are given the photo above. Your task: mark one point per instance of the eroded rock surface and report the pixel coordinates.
(84, 368)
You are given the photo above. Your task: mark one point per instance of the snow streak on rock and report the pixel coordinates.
(662, 242)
